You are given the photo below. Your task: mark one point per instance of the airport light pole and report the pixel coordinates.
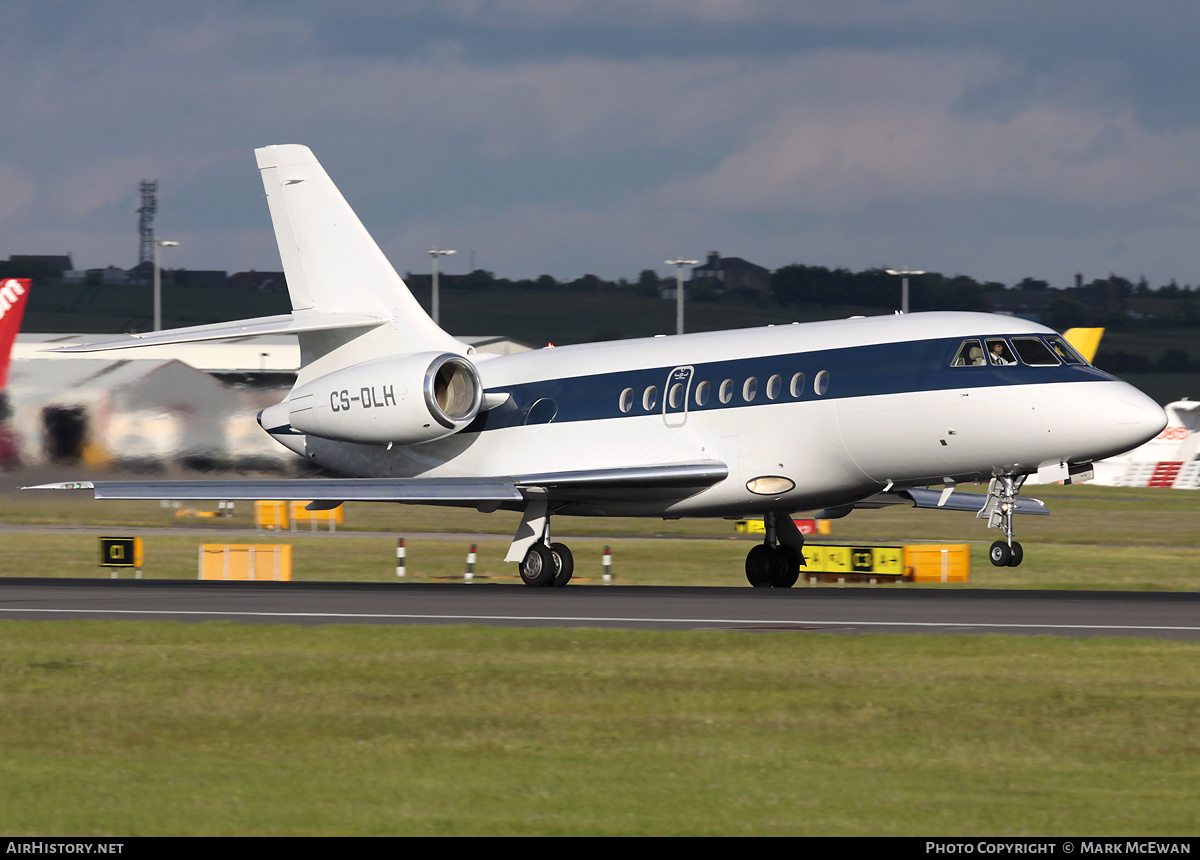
(679, 264)
(435, 253)
(904, 273)
(159, 243)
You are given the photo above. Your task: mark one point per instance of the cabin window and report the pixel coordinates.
(677, 395)
(797, 387)
(703, 392)
(1034, 352)
(1064, 350)
(726, 392)
(750, 389)
(821, 382)
(626, 402)
(650, 397)
(998, 352)
(774, 385)
(970, 354)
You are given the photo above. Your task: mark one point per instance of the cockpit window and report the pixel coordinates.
(1064, 350)
(969, 354)
(1034, 352)
(999, 353)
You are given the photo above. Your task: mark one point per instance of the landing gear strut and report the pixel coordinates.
(999, 509)
(776, 562)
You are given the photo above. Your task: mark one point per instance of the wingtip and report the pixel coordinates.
(64, 485)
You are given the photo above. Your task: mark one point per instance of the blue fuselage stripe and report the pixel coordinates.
(861, 371)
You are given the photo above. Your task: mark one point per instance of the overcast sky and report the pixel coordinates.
(995, 139)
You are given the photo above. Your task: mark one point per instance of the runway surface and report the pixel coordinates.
(880, 610)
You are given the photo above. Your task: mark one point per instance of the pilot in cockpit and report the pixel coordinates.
(999, 354)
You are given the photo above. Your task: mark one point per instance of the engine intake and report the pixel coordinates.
(416, 398)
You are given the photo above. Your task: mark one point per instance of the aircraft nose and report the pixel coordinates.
(1129, 418)
(1096, 420)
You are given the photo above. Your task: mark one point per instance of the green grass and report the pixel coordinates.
(144, 728)
(700, 562)
(224, 729)
(1096, 538)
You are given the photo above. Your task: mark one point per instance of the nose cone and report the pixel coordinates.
(1103, 419)
(1136, 418)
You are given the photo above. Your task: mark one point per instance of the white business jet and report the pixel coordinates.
(763, 422)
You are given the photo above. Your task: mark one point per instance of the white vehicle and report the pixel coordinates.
(752, 423)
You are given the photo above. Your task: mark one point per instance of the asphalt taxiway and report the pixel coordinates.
(1171, 615)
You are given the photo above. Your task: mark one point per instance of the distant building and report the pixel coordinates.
(51, 263)
(263, 282)
(1032, 305)
(142, 273)
(110, 276)
(210, 279)
(729, 275)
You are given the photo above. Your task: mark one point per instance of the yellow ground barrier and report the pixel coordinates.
(257, 562)
(909, 562)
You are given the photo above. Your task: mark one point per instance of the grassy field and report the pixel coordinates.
(146, 728)
(700, 562)
(223, 729)
(1095, 538)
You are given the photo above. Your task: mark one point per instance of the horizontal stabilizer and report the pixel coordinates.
(280, 324)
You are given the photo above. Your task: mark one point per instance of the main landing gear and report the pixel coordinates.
(547, 565)
(999, 509)
(776, 562)
(542, 563)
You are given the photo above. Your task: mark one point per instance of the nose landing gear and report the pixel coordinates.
(999, 509)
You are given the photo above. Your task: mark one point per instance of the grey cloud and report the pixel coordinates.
(571, 137)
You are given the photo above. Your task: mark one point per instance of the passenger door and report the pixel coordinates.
(675, 396)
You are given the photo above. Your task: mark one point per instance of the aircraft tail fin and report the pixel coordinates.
(1085, 340)
(334, 267)
(14, 293)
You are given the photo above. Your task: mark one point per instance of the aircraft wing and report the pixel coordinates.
(924, 497)
(681, 479)
(279, 324)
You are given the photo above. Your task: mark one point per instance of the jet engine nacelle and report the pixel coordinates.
(406, 400)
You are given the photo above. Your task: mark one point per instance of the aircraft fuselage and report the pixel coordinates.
(841, 409)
